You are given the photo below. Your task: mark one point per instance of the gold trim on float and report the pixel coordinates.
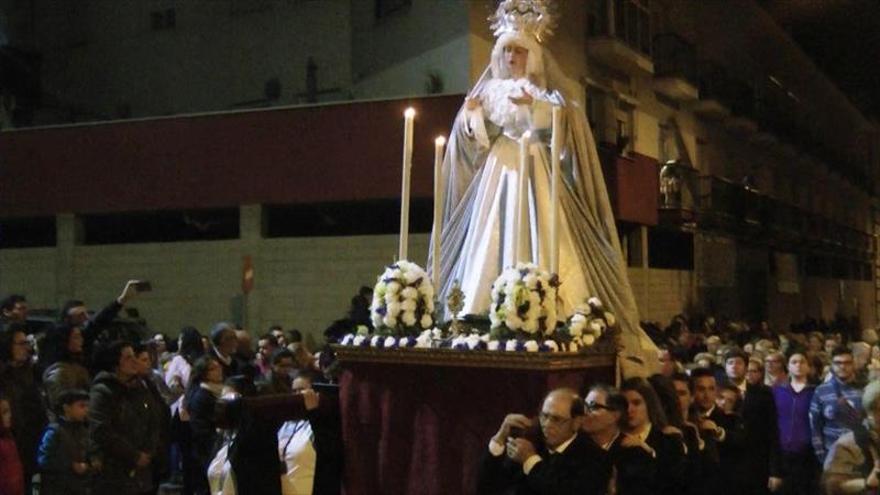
(592, 357)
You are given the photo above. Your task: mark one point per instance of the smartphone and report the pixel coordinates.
(143, 286)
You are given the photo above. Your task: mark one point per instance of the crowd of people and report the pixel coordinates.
(735, 408)
(83, 411)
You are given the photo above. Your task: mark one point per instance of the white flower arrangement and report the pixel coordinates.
(524, 300)
(587, 325)
(403, 300)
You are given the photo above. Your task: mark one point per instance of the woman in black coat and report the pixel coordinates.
(205, 386)
(19, 383)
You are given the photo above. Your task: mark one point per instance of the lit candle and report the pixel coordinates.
(522, 203)
(439, 143)
(408, 117)
(555, 148)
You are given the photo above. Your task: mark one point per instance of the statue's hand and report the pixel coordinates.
(525, 99)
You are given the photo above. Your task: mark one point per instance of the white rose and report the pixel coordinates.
(423, 341)
(408, 318)
(347, 340)
(429, 305)
(484, 337)
(493, 345)
(531, 281)
(409, 293)
(594, 302)
(390, 341)
(437, 333)
(358, 340)
(376, 319)
(531, 346)
(374, 341)
(411, 276)
(611, 319)
(588, 340)
(472, 341)
(552, 345)
(426, 321)
(510, 346)
(597, 326)
(572, 346)
(393, 288)
(575, 330)
(408, 306)
(390, 321)
(394, 309)
(530, 326)
(512, 321)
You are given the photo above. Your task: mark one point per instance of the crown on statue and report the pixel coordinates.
(532, 17)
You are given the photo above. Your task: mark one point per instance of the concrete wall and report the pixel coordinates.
(299, 282)
(662, 294)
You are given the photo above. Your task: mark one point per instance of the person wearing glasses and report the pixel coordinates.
(837, 404)
(550, 455)
(633, 463)
(774, 369)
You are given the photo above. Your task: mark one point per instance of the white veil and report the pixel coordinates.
(584, 201)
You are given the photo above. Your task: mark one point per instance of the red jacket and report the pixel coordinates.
(11, 470)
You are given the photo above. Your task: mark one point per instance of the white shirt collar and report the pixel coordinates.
(708, 413)
(643, 436)
(609, 443)
(564, 445)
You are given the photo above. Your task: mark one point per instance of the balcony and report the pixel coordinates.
(722, 204)
(712, 86)
(632, 185)
(675, 68)
(619, 35)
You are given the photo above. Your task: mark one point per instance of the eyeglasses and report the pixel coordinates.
(553, 419)
(594, 407)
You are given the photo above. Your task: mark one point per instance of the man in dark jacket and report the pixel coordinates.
(75, 313)
(725, 430)
(558, 459)
(122, 429)
(761, 433)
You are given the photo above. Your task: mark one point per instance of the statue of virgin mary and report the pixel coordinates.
(516, 95)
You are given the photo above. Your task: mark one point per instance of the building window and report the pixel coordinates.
(161, 226)
(161, 20)
(27, 232)
(671, 250)
(346, 218)
(385, 8)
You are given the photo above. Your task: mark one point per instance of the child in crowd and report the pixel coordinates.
(62, 456)
(11, 469)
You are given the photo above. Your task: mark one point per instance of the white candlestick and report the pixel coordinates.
(408, 115)
(439, 143)
(555, 148)
(521, 235)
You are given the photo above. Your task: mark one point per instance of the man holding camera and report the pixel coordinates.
(551, 455)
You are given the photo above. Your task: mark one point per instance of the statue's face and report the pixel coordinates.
(515, 58)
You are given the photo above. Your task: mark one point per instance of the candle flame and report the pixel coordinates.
(440, 141)
(410, 113)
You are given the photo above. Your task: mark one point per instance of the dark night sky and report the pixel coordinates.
(843, 38)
